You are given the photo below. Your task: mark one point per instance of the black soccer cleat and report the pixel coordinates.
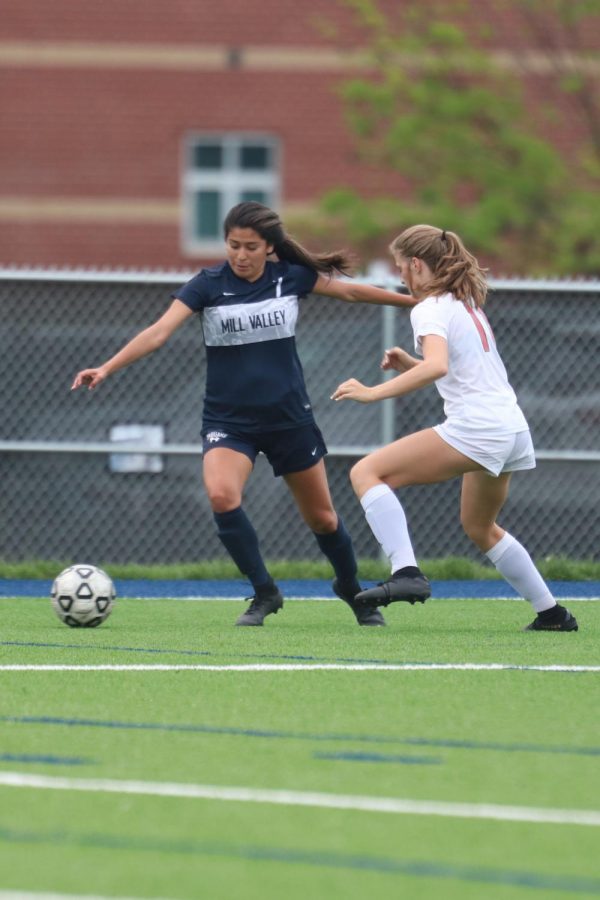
(265, 601)
(366, 614)
(410, 588)
(555, 619)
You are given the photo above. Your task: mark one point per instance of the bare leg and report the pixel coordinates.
(420, 458)
(482, 498)
(311, 493)
(225, 474)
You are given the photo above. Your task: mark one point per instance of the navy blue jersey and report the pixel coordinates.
(254, 379)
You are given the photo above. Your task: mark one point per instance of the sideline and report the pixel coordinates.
(300, 589)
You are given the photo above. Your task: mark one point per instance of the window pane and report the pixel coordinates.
(259, 196)
(208, 156)
(253, 156)
(207, 215)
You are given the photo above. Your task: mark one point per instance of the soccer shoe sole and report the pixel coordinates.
(364, 615)
(409, 590)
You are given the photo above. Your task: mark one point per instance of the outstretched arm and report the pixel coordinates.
(433, 366)
(360, 293)
(142, 344)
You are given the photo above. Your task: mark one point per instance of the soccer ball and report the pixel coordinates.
(82, 596)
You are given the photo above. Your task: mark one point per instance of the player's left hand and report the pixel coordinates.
(353, 390)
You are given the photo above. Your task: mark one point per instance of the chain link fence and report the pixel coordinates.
(67, 493)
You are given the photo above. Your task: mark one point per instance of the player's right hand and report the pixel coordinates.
(397, 358)
(89, 378)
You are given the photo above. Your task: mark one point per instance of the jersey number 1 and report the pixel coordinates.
(479, 326)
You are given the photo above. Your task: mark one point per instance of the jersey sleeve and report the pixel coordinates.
(303, 279)
(427, 319)
(194, 293)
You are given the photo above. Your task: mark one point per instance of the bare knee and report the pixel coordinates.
(362, 477)
(483, 534)
(321, 521)
(223, 498)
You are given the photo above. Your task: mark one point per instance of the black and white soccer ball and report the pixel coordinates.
(83, 596)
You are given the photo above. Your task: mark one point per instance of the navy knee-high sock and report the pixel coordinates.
(239, 538)
(337, 547)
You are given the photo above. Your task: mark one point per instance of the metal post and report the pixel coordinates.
(388, 339)
(388, 332)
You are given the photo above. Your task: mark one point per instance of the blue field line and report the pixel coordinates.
(273, 734)
(169, 651)
(532, 880)
(349, 756)
(46, 759)
(303, 588)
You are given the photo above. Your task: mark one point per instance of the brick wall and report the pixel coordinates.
(85, 135)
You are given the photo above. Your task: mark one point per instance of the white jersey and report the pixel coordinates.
(476, 392)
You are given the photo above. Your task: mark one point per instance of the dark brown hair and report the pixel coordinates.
(269, 226)
(455, 270)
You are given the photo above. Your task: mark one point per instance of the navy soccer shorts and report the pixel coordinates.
(288, 450)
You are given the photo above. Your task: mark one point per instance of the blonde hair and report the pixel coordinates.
(455, 270)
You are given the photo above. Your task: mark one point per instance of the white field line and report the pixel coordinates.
(30, 895)
(352, 802)
(292, 667)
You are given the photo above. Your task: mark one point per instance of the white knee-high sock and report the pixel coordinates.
(387, 521)
(515, 564)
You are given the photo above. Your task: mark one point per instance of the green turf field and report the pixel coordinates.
(112, 782)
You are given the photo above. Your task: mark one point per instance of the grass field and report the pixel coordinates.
(306, 759)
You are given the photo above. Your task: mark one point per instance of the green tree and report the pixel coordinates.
(563, 36)
(438, 108)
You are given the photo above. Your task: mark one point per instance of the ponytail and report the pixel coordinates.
(269, 226)
(455, 270)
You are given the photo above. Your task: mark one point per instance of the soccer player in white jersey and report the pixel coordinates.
(484, 438)
(255, 397)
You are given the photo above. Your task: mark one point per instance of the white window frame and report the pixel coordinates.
(230, 182)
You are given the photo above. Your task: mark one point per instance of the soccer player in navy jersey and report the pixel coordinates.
(255, 397)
